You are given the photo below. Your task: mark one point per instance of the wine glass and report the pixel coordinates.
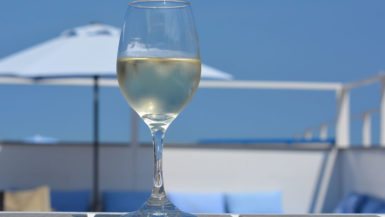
(159, 70)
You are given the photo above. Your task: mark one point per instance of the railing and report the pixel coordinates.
(343, 116)
(343, 105)
(341, 90)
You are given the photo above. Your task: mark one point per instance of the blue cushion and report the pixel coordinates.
(351, 203)
(373, 205)
(124, 201)
(360, 203)
(71, 200)
(198, 202)
(254, 202)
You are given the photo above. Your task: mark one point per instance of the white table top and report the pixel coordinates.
(73, 214)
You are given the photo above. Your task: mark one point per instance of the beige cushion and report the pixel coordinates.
(37, 200)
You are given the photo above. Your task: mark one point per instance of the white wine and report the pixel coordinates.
(158, 88)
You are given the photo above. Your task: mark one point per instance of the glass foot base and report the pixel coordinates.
(159, 207)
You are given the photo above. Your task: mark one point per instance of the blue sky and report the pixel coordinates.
(255, 40)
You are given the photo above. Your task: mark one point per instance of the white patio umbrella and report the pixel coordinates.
(79, 53)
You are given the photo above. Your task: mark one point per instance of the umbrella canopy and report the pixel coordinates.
(84, 51)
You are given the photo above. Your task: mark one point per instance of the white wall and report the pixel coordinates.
(295, 173)
(60, 167)
(357, 170)
(364, 172)
(193, 169)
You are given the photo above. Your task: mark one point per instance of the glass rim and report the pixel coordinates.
(136, 3)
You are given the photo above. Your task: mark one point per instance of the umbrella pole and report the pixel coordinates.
(95, 180)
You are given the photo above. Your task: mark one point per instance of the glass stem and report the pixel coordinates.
(158, 187)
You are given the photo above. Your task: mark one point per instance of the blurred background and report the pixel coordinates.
(275, 150)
